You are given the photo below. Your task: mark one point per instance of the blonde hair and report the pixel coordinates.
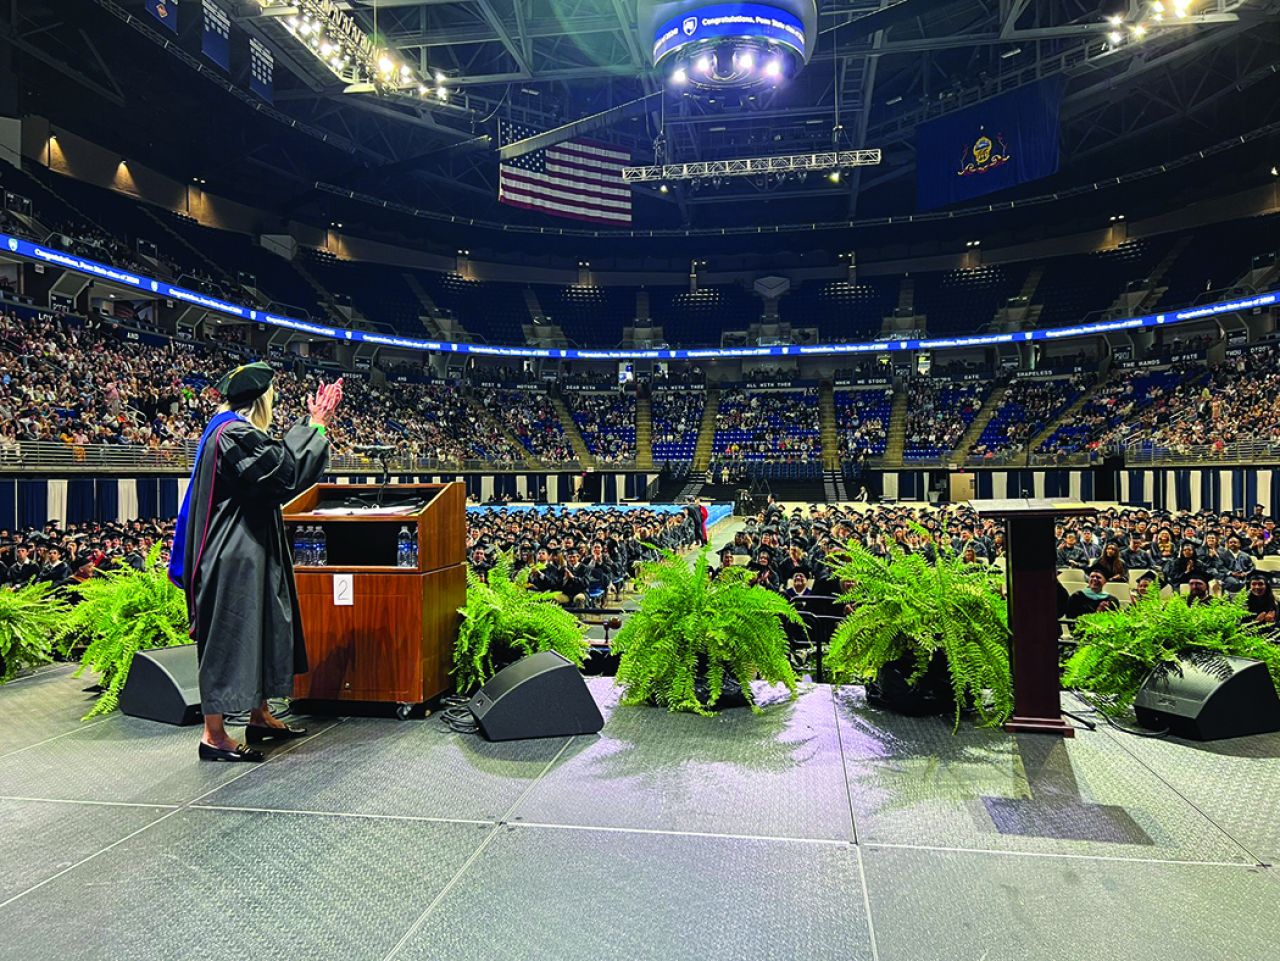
(260, 412)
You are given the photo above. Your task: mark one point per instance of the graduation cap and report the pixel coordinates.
(1147, 577)
(1259, 575)
(1097, 569)
(727, 549)
(245, 383)
(1197, 574)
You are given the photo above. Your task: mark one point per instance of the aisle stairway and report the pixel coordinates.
(827, 426)
(644, 433)
(833, 488)
(707, 433)
(570, 427)
(897, 439)
(430, 311)
(979, 424)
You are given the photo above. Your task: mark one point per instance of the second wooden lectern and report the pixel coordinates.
(1033, 608)
(376, 631)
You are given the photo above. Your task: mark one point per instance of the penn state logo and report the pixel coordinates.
(690, 26)
(13, 243)
(154, 286)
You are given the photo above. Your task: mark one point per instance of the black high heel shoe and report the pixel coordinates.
(257, 733)
(239, 753)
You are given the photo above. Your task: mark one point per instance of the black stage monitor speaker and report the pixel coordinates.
(542, 695)
(163, 685)
(1203, 706)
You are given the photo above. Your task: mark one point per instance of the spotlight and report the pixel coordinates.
(385, 64)
(1275, 171)
(1139, 31)
(834, 176)
(1115, 20)
(665, 189)
(1115, 36)
(773, 68)
(746, 60)
(704, 64)
(680, 77)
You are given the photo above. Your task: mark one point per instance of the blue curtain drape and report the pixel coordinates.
(107, 499)
(33, 503)
(81, 506)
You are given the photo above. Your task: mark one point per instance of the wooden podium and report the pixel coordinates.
(376, 632)
(1033, 608)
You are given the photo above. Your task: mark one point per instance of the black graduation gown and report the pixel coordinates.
(243, 602)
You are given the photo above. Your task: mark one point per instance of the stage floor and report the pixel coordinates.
(823, 829)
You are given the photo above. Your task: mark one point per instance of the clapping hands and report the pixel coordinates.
(324, 401)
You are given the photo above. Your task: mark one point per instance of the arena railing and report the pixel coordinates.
(24, 456)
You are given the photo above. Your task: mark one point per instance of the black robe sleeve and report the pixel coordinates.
(276, 469)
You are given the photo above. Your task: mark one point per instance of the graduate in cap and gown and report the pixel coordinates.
(231, 558)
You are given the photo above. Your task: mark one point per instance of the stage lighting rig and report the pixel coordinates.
(827, 161)
(704, 46)
(323, 28)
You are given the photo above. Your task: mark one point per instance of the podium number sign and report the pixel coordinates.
(343, 590)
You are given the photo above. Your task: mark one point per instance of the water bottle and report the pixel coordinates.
(403, 548)
(300, 546)
(413, 549)
(322, 547)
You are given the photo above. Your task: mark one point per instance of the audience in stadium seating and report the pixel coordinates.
(532, 417)
(862, 421)
(607, 422)
(768, 426)
(1029, 405)
(677, 418)
(938, 415)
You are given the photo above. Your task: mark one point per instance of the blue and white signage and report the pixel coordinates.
(90, 268)
(723, 21)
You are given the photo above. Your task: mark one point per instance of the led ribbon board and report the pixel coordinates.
(724, 21)
(158, 288)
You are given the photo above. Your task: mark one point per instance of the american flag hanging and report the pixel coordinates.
(580, 179)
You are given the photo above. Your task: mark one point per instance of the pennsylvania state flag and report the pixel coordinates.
(1002, 142)
(166, 11)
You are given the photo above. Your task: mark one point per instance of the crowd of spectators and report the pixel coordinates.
(1237, 401)
(607, 422)
(768, 426)
(938, 414)
(1117, 401)
(531, 417)
(862, 422)
(1028, 406)
(677, 418)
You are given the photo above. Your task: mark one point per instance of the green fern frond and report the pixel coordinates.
(727, 627)
(504, 619)
(29, 619)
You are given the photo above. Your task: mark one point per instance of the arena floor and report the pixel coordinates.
(821, 829)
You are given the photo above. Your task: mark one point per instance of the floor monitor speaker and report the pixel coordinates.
(542, 695)
(1205, 705)
(163, 685)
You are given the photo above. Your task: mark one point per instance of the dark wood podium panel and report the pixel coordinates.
(394, 641)
(1032, 590)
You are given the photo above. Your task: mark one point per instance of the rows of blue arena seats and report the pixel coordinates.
(844, 310)
(532, 417)
(862, 421)
(588, 314)
(781, 470)
(1072, 288)
(757, 425)
(966, 299)
(701, 316)
(494, 312)
(378, 291)
(677, 418)
(938, 414)
(607, 422)
(1027, 408)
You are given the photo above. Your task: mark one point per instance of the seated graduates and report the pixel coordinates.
(56, 570)
(1136, 555)
(1261, 602)
(726, 561)
(1143, 584)
(1092, 597)
(481, 562)
(1237, 565)
(1112, 564)
(1070, 553)
(762, 567)
(600, 574)
(574, 587)
(24, 568)
(1180, 568)
(1197, 582)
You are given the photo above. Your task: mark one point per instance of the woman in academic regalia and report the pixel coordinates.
(231, 558)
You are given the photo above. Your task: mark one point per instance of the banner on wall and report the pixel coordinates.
(215, 40)
(1005, 141)
(166, 11)
(262, 67)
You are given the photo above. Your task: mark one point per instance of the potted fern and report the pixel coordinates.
(118, 613)
(29, 618)
(1119, 649)
(933, 635)
(695, 640)
(505, 620)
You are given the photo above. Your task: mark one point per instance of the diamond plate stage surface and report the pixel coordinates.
(819, 829)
